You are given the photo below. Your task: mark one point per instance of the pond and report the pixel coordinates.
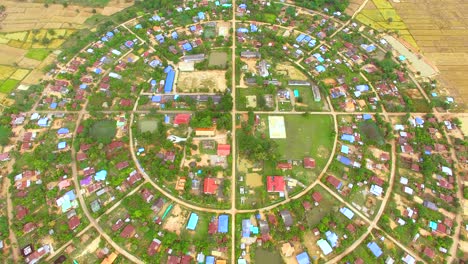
(148, 125)
(267, 256)
(217, 58)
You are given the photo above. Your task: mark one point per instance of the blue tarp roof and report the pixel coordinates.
(242, 30)
(43, 122)
(192, 222)
(63, 130)
(174, 35)
(156, 98)
(83, 86)
(433, 225)
(312, 42)
(169, 81)
(97, 71)
(62, 145)
(110, 34)
(167, 119)
(223, 222)
(193, 28)
(345, 160)
(307, 38)
(347, 137)
(375, 249)
(53, 105)
(303, 258)
(296, 93)
(138, 26)
(100, 175)
(419, 120)
(210, 260)
(244, 6)
(366, 116)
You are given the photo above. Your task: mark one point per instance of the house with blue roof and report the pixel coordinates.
(307, 39)
(303, 258)
(419, 121)
(433, 225)
(242, 6)
(83, 86)
(344, 160)
(312, 43)
(332, 238)
(63, 131)
(192, 222)
(324, 246)
(300, 38)
(62, 145)
(129, 44)
(243, 30)
(347, 137)
(368, 48)
(187, 46)
(53, 105)
(366, 116)
(210, 260)
(375, 249)
(223, 223)
(97, 71)
(253, 28)
(109, 34)
(100, 175)
(159, 38)
(155, 63)
(246, 225)
(43, 122)
(319, 57)
(347, 212)
(193, 28)
(156, 98)
(169, 81)
(156, 18)
(174, 35)
(201, 16)
(320, 68)
(138, 26)
(362, 88)
(344, 149)
(241, 261)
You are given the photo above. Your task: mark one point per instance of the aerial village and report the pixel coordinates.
(187, 136)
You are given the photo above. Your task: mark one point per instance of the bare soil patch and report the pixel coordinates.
(10, 55)
(175, 221)
(253, 180)
(194, 81)
(291, 71)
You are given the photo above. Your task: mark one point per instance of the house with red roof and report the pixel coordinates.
(125, 102)
(309, 163)
(276, 184)
(118, 224)
(74, 222)
(5, 156)
(429, 252)
(182, 119)
(115, 145)
(154, 247)
(128, 232)
(147, 195)
(21, 212)
(81, 156)
(29, 227)
(317, 197)
(284, 166)
(335, 182)
(210, 186)
(224, 149)
(122, 165)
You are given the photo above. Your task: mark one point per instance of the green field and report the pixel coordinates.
(4, 135)
(371, 134)
(310, 135)
(37, 54)
(103, 130)
(8, 86)
(307, 100)
(148, 125)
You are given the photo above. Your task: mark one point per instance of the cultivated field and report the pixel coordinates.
(210, 81)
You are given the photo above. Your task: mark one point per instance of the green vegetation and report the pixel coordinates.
(37, 54)
(5, 133)
(8, 86)
(103, 131)
(338, 5)
(371, 133)
(307, 135)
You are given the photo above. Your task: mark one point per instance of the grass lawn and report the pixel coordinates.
(37, 54)
(104, 129)
(371, 133)
(309, 135)
(307, 97)
(8, 86)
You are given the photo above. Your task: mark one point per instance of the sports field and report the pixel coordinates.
(276, 127)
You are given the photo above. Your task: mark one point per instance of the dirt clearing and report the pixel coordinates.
(10, 55)
(291, 71)
(253, 180)
(175, 221)
(207, 81)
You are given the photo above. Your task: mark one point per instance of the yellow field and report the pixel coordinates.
(6, 71)
(19, 74)
(380, 15)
